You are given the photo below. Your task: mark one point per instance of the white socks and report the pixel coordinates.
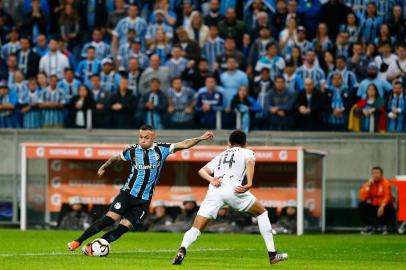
(191, 236)
(266, 230)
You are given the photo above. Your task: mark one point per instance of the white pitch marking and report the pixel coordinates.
(113, 252)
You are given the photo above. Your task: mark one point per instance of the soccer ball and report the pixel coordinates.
(100, 247)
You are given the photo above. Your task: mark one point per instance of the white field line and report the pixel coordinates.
(113, 252)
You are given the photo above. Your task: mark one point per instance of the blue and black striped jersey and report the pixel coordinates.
(146, 166)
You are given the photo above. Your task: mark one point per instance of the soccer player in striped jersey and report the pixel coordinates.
(29, 105)
(225, 174)
(52, 102)
(147, 160)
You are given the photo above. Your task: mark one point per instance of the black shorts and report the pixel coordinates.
(129, 207)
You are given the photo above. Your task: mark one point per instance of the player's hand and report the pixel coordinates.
(242, 189)
(101, 171)
(381, 211)
(216, 181)
(207, 136)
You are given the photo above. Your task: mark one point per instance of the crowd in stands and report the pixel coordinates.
(313, 65)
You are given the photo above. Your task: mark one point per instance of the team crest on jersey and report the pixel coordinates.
(117, 205)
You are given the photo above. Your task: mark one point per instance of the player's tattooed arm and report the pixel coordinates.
(107, 164)
(186, 144)
(250, 165)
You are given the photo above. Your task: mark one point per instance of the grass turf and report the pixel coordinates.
(33, 250)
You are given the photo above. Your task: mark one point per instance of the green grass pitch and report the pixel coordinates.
(47, 250)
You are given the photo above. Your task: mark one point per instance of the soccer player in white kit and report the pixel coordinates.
(226, 173)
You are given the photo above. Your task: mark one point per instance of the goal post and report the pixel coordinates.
(52, 173)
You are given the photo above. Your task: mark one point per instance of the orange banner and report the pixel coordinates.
(195, 154)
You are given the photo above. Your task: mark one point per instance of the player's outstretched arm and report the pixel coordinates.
(250, 165)
(186, 144)
(109, 162)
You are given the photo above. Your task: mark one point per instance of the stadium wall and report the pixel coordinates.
(350, 157)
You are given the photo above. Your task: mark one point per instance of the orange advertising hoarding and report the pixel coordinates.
(197, 153)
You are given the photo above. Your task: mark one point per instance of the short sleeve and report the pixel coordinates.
(166, 149)
(249, 154)
(125, 155)
(212, 164)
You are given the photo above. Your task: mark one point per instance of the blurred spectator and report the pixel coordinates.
(197, 30)
(333, 13)
(245, 105)
(189, 210)
(310, 70)
(322, 41)
(115, 16)
(134, 75)
(158, 220)
(232, 80)
(41, 47)
(260, 91)
(100, 117)
(358, 63)
(223, 223)
(134, 51)
(396, 108)
(310, 11)
(397, 23)
(78, 106)
(209, 101)
(160, 46)
(51, 103)
(337, 103)
(93, 14)
(383, 87)
(376, 203)
(214, 16)
(287, 220)
(102, 49)
(272, 61)
(42, 80)
(12, 68)
(154, 104)
(293, 82)
(159, 24)
(110, 79)
(35, 21)
(213, 47)
(258, 48)
(29, 102)
(384, 59)
(397, 69)
(196, 73)
(230, 26)
(154, 71)
(69, 84)
(384, 35)
(132, 21)
(348, 77)
(279, 18)
(8, 101)
(122, 105)
(89, 66)
(372, 110)
(69, 24)
(281, 102)
(351, 27)
(309, 107)
(177, 64)
(181, 104)
(230, 50)
(54, 62)
(28, 60)
(13, 44)
(342, 45)
(371, 23)
(78, 218)
(191, 48)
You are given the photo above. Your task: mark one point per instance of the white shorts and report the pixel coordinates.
(216, 198)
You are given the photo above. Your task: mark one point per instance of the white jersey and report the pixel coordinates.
(230, 164)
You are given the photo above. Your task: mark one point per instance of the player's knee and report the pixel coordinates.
(113, 216)
(126, 223)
